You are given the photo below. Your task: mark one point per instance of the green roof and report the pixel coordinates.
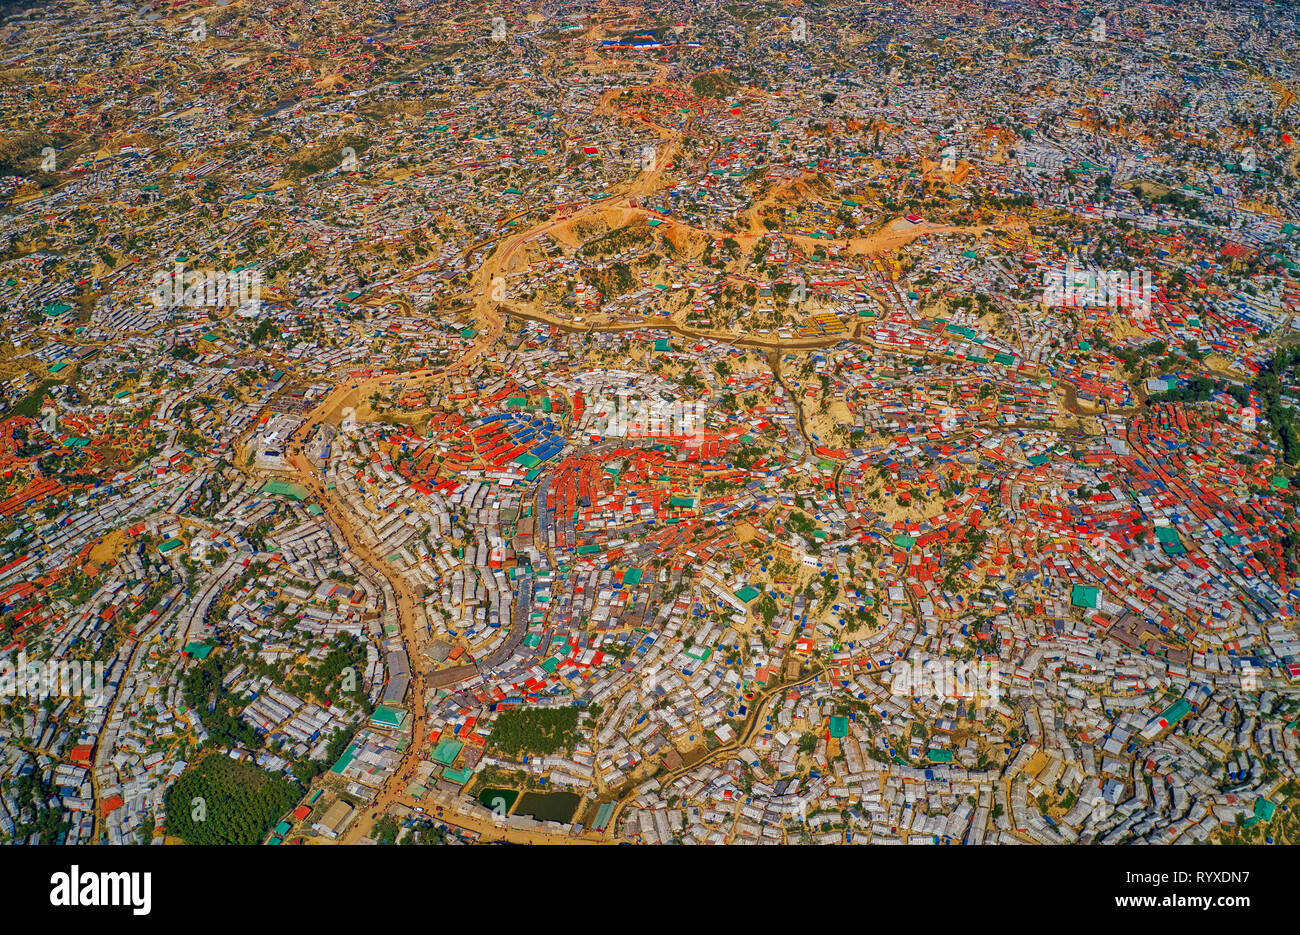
(839, 727)
(284, 488)
(198, 651)
(345, 760)
(1084, 596)
(458, 775)
(1168, 537)
(447, 751)
(1177, 711)
(747, 593)
(385, 716)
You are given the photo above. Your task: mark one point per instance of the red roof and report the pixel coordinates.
(82, 753)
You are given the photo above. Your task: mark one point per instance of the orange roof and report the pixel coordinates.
(82, 753)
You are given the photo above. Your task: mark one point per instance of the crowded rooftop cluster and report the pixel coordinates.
(668, 423)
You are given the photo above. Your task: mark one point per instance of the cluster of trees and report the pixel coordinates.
(730, 247)
(1268, 383)
(613, 281)
(34, 793)
(802, 524)
(30, 405)
(325, 157)
(1176, 199)
(713, 84)
(204, 694)
(972, 544)
(328, 677)
(1132, 358)
(266, 328)
(616, 241)
(1196, 390)
(385, 830)
(22, 154)
(535, 730)
(978, 302)
(307, 770)
(225, 801)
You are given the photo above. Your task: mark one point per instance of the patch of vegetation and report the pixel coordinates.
(225, 801)
(1197, 390)
(1268, 383)
(325, 157)
(714, 84)
(385, 830)
(216, 707)
(616, 241)
(32, 795)
(615, 281)
(30, 405)
(535, 730)
(327, 678)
